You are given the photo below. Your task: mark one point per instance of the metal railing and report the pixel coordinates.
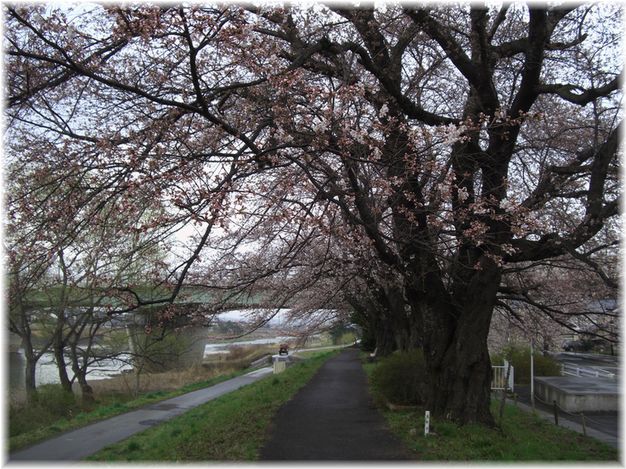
(498, 377)
(573, 370)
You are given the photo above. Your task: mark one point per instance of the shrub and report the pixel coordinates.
(347, 338)
(51, 404)
(56, 400)
(399, 378)
(24, 418)
(519, 357)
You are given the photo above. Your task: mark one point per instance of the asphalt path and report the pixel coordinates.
(333, 418)
(586, 359)
(77, 444)
(608, 363)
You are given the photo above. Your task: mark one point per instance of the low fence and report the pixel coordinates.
(593, 372)
(498, 377)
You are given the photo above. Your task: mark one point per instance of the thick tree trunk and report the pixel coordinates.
(85, 388)
(459, 385)
(385, 337)
(80, 372)
(380, 320)
(59, 357)
(406, 328)
(29, 379)
(455, 346)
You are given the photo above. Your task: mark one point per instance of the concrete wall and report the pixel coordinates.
(575, 401)
(177, 349)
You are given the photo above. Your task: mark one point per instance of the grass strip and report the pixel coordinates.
(109, 410)
(232, 427)
(522, 437)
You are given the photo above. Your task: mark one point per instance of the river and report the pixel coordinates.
(47, 373)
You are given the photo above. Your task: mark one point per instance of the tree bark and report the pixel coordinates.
(405, 325)
(80, 372)
(29, 378)
(386, 316)
(385, 337)
(59, 358)
(455, 347)
(58, 341)
(85, 388)
(381, 324)
(458, 386)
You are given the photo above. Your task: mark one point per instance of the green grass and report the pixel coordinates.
(313, 353)
(36, 425)
(523, 437)
(232, 427)
(519, 356)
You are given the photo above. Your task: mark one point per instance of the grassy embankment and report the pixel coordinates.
(29, 428)
(57, 412)
(232, 427)
(522, 437)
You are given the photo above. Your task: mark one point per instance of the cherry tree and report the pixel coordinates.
(66, 277)
(475, 183)
(453, 143)
(23, 278)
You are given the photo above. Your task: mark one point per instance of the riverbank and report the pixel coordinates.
(56, 411)
(129, 383)
(116, 373)
(232, 427)
(55, 414)
(239, 358)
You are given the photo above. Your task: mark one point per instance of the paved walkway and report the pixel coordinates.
(85, 441)
(600, 425)
(333, 418)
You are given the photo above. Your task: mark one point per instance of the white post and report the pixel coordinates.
(532, 375)
(427, 423)
(504, 370)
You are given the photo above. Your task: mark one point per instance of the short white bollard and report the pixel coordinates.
(427, 423)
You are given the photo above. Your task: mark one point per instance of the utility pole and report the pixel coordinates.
(532, 375)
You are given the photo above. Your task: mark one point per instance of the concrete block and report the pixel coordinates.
(280, 363)
(578, 394)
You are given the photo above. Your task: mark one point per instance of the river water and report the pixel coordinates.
(47, 373)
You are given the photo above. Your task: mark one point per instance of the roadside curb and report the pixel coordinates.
(565, 423)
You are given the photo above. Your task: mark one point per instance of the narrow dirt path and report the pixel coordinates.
(333, 418)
